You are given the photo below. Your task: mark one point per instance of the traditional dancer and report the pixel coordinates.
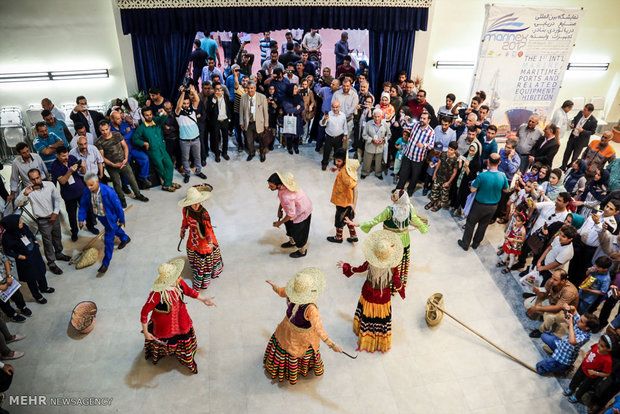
(298, 212)
(373, 317)
(344, 194)
(203, 251)
(294, 347)
(170, 330)
(397, 218)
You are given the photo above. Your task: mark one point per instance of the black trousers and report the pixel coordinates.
(299, 231)
(16, 298)
(174, 150)
(608, 306)
(581, 261)
(582, 383)
(72, 207)
(574, 148)
(36, 287)
(204, 140)
(409, 171)
(5, 380)
(501, 206)
(341, 213)
(330, 143)
(480, 215)
(219, 138)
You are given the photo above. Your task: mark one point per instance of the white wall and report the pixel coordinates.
(60, 35)
(454, 34)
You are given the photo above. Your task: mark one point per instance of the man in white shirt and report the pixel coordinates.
(348, 98)
(89, 155)
(45, 203)
(560, 118)
(558, 254)
(80, 131)
(46, 103)
(336, 131)
(312, 41)
(23, 163)
(528, 134)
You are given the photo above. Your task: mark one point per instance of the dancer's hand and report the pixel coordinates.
(272, 283)
(333, 169)
(207, 301)
(148, 336)
(277, 223)
(336, 348)
(349, 222)
(340, 264)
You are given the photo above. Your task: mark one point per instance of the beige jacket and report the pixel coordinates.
(369, 134)
(261, 116)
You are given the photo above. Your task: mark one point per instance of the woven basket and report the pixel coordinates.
(83, 316)
(433, 315)
(203, 187)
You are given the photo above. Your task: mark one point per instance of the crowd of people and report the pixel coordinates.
(565, 218)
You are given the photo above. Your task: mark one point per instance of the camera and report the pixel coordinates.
(187, 81)
(567, 314)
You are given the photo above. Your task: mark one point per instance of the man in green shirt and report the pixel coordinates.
(149, 136)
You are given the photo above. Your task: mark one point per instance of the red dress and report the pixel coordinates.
(168, 321)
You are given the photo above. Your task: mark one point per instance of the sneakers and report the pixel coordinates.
(334, 240)
(140, 197)
(124, 243)
(201, 175)
(297, 254)
(15, 338)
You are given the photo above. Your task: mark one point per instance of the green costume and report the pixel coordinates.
(157, 148)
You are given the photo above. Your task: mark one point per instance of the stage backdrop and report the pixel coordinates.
(523, 55)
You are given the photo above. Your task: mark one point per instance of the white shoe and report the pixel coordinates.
(16, 337)
(16, 355)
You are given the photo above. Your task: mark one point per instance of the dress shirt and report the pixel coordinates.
(580, 124)
(426, 136)
(20, 168)
(97, 203)
(207, 73)
(589, 231)
(336, 125)
(444, 138)
(508, 166)
(548, 215)
(44, 201)
(527, 138)
(58, 114)
(326, 93)
(348, 102)
(91, 159)
(560, 120)
(296, 204)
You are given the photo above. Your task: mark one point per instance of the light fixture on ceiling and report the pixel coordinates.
(588, 66)
(447, 64)
(54, 76)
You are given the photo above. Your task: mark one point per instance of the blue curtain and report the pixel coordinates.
(161, 60)
(390, 53)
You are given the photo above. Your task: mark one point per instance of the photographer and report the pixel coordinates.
(66, 170)
(185, 112)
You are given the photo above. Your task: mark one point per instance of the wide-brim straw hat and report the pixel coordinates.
(383, 249)
(195, 195)
(306, 286)
(288, 180)
(168, 273)
(351, 166)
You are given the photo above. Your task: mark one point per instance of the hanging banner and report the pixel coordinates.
(524, 52)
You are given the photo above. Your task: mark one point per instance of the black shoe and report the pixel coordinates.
(474, 246)
(250, 157)
(201, 175)
(352, 239)
(296, 151)
(49, 290)
(297, 254)
(462, 244)
(140, 197)
(334, 240)
(204, 162)
(363, 177)
(42, 301)
(287, 245)
(146, 183)
(262, 158)
(55, 269)
(317, 149)
(63, 257)
(126, 190)
(124, 203)
(535, 333)
(102, 269)
(124, 243)
(217, 159)
(226, 157)
(25, 311)
(290, 151)
(186, 179)
(93, 230)
(528, 295)
(380, 177)
(74, 236)
(18, 318)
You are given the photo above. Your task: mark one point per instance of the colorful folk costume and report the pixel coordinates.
(373, 317)
(344, 196)
(170, 330)
(397, 218)
(293, 349)
(203, 251)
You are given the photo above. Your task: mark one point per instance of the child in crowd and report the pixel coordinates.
(445, 171)
(595, 366)
(399, 145)
(596, 284)
(515, 236)
(519, 199)
(531, 175)
(433, 159)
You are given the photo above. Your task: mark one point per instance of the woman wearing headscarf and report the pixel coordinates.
(552, 188)
(203, 250)
(360, 118)
(594, 193)
(373, 316)
(19, 243)
(293, 349)
(470, 166)
(396, 218)
(386, 107)
(170, 330)
(133, 108)
(261, 76)
(293, 104)
(575, 178)
(395, 98)
(309, 106)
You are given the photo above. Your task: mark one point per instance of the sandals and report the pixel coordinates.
(428, 206)
(500, 264)
(169, 189)
(176, 186)
(505, 271)
(436, 208)
(572, 399)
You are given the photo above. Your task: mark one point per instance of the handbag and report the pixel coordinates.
(268, 137)
(536, 242)
(290, 125)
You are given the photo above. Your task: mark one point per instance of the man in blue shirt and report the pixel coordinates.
(280, 83)
(488, 186)
(265, 47)
(210, 70)
(56, 126)
(341, 48)
(489, 145)
(444, 135)
(46, 143)
(209, 45)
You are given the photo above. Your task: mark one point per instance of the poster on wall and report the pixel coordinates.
(524, 52)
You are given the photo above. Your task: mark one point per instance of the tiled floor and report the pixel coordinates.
(441, 370)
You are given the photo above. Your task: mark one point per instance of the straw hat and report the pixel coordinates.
(383, 249)
(306, 286)
(194, 196)
(351, 166)
(168, 273)
(288, 179)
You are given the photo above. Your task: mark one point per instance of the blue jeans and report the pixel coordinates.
(143, 161)
(112, 230)
(550, 365)
(549, 339)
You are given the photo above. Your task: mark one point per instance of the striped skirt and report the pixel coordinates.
(182, 346)
(282, 365)
(373, 326)
(403, 270)
(205, 267)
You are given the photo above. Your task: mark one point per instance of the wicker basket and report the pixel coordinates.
(434, 315)
(83, 316)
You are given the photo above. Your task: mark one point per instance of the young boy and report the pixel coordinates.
(596, 365)
(445, 171)
(566, 350)
(344, 194)
(399, 145)
(596, 284)
(433, 159)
